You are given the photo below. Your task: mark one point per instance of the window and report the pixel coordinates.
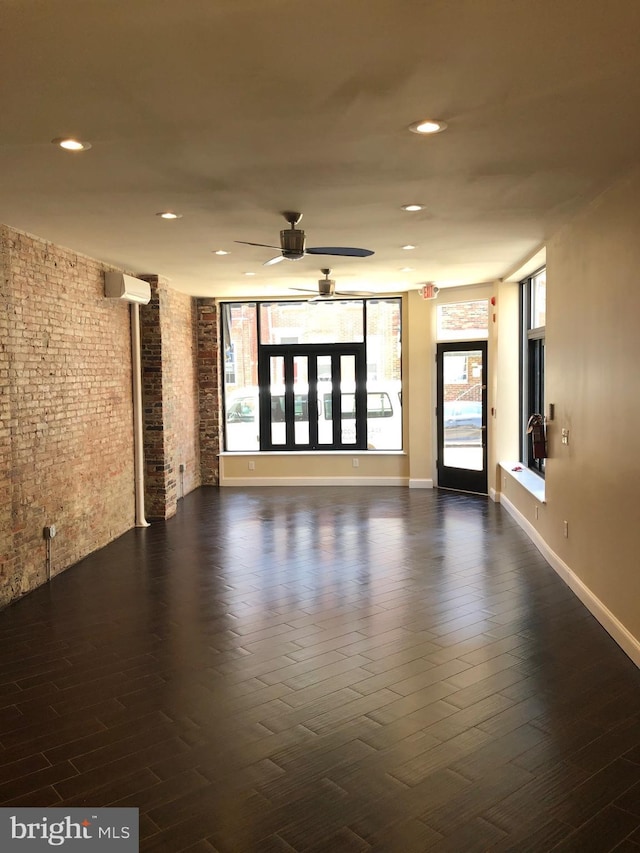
(533, 317)
(462, 321)
(313, 375)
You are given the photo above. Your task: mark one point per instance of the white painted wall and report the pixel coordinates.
(593, 377)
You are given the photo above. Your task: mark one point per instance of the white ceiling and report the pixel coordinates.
(231, 111)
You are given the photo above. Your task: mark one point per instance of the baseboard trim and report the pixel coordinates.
(624, 638)
(494, 495)
(247, 482)
(420, 484)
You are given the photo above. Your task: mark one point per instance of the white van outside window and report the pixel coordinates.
(384, 416)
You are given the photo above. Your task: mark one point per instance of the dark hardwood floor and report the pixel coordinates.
(324, 670)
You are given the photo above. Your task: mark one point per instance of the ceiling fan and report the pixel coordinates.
(292, 244)
(327, 289)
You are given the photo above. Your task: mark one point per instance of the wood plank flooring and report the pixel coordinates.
(324, 670)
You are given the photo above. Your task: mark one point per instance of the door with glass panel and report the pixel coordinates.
(462, 416)
(312, 397)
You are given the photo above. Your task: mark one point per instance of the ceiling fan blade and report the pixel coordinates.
(339, 250)
(303, 289)
(264, 245)
(354, 293)
(275, 260)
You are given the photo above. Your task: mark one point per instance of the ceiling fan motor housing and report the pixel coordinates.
(292, 241)
(326, 286)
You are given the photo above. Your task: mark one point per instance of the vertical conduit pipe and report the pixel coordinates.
(48, 558)
(138, 443)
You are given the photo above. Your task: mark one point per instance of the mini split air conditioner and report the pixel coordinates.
(117, 285)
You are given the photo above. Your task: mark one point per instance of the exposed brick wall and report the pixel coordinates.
(158, 489)
(209, 385)
(66, 445)
(9, 583)
(170, 398)
(180, 377)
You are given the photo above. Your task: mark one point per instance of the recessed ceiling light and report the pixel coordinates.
(412, 207)
(169, 214)
(70, 144)
(406, 269)
(428, 125)
(221, 252)
(408, 247)
(249, 273)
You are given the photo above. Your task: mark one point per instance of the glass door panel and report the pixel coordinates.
(301, 399)
(278, 419)
(325, 407)
(462, 421)
(347, 399)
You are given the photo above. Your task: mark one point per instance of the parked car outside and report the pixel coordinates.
(462, 422)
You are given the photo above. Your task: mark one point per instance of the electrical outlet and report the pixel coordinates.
(252, 465)
(49, 531)
(565, 528)
(565, 436)
(355, 462)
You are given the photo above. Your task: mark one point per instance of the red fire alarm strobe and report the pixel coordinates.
(429, 291)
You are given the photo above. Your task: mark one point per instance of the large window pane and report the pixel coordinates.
(384, 352)
(240, 347)
(322, 322)
(538, 290)
(243, 420)
(384, 359)
(533, 320)
(312, 363)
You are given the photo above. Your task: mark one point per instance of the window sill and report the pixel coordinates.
(253, 453)
(530, 481)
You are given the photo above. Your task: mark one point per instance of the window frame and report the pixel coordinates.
(532, 370)
(290, 350)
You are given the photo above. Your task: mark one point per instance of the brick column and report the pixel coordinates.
(159, 481)
(208, 359)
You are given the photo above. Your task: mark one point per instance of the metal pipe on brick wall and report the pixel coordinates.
(138, 442)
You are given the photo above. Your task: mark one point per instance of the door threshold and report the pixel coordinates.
(462, 491)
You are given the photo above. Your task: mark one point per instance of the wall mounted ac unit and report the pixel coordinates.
(117, 285)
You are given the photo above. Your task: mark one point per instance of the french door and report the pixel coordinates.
(462, 416)
(313, 397)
